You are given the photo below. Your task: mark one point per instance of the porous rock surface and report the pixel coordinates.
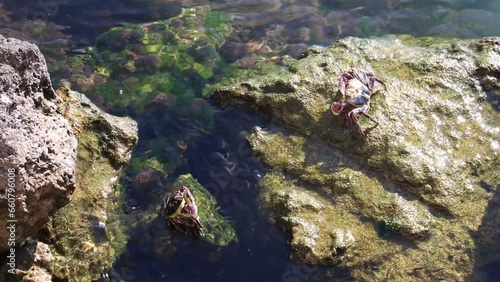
(35, 140)
(413, 191)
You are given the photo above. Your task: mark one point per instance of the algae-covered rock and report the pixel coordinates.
(318, 230)
(134, 62)
(432, 119)
(423, 172)
(87, 235)
(317, 163)
(149, 227)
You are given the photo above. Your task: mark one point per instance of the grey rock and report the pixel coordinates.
(35, 140)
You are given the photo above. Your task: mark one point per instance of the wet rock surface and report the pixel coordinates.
(87, 235)
(414, 177)
(84, 237)
(37, 145)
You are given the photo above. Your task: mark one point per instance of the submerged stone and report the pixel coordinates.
(133, 63)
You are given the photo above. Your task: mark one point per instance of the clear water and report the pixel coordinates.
(262, 252)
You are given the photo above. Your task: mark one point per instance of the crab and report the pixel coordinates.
(356, 87)
(180, 209)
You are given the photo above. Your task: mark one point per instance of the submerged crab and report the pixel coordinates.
(356, 86)
(181, 212)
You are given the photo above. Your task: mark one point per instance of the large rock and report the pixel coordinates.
(414, 190)
(36, 141)
(90, 229)
(85, 236)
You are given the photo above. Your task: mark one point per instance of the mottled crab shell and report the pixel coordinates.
(354, 88)
(359, 101)
(173, 206)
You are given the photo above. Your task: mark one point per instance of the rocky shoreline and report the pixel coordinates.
(68, 156)
(406, 198)
(413, 200)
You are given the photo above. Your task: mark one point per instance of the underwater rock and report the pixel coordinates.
(150, 228)
(468, 23)
(132, 63)
(216, 230)
(37, 145)
(415, 176)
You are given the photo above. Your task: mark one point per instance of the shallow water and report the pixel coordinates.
(219, 157)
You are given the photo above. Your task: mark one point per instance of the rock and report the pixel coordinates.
(317, 163)
(133, 63)
(419, 178)
(36, 141)
(118, 135)
(90, 228)
(32, 262)
(150, 228)
(216, 229)
(318, 233)
(412, 115)
(146, 182)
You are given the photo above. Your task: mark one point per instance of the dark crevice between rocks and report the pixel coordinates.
(48, 93)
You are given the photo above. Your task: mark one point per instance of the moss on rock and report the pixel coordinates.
(87, 233)
(422, 172)
(216, 230)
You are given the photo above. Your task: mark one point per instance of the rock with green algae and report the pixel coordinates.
(150, 228)
(135, 62)
(318, 231)
(432, 120)
(338, 176)
(87, 235)
(416, 172)
(216, 230)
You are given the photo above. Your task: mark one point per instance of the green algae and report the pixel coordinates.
(88, 234)
(388, 257)
(79, 254)
(339, 176)
(175, 56)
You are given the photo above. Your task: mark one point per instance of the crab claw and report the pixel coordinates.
(343, 81)
(337, 107)
(353, 117)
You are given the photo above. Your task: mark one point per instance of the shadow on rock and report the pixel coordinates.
(487, 254)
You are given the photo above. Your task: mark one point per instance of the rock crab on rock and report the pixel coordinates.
(181, 212)
(357, 87)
